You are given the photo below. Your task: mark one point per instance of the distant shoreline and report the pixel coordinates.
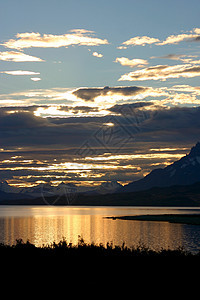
(189, 219)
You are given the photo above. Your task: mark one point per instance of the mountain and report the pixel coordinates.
(6, 188)
(185, 171)
(109, 187)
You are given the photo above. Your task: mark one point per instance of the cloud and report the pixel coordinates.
(24, 129)
(35, 79)
(162, 72)
(75, 37)
(20, 120)
(196, 39)
(140, 41)
(196, 30)
(96, 54)
(187, 89)
(122, 47)
(124, 61)
(187, 59)
(18, 57)
(175, 39)
(193, 35)
(128, 109)
(20, 72)
(89, 94)
(178, 119)
(34, 96)
(170, 56)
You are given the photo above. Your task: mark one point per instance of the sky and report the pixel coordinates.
(93, 91)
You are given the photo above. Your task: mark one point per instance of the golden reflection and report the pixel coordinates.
(47, 225)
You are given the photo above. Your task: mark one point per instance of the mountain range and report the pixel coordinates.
(179, 181)
(48, 190)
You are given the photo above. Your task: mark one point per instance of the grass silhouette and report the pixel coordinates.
(66, 250)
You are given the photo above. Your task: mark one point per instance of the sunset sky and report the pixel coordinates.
(92, 91)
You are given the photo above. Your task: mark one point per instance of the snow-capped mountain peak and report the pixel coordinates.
(182, 172)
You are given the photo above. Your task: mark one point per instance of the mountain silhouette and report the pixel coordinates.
(185, 171)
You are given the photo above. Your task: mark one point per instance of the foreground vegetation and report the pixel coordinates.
(83, 250)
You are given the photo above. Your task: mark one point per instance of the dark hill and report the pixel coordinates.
(185, 171)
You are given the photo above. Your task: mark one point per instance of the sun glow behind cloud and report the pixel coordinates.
(69, 112)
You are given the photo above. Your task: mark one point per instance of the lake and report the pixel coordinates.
(47, 224)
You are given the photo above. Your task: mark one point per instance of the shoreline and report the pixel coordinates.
(189, 219)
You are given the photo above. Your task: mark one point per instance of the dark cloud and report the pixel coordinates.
(24, 129)
(172, 56)
(175, 125)
(89, 94)
(20, 120)
(196, 39)
(129, 108)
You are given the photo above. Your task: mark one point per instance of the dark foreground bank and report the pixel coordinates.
(67, 251)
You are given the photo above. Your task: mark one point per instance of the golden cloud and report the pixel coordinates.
(96, 54)
(17, 57)
(162, 72)
(186, 89)
(175, 39)
(36, 79)
(124, 61)
(75, 37)
(140, 41)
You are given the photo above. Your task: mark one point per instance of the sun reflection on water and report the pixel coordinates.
(46, 225)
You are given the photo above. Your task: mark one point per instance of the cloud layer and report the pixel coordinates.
(137, 131)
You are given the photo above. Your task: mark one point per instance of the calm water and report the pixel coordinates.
(46, 224)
